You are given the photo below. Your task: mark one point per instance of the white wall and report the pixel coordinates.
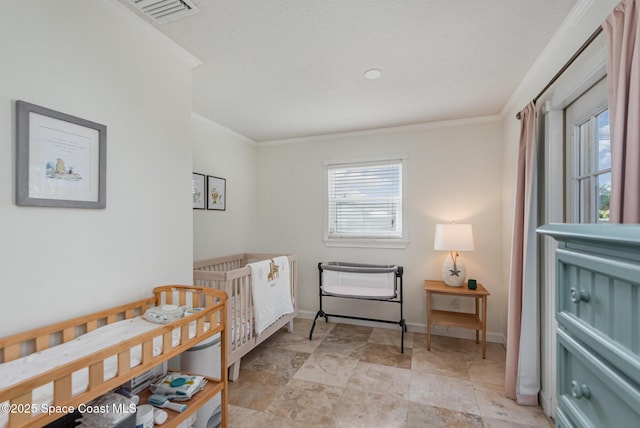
(82, 58)
(221, 152)
(454, 174)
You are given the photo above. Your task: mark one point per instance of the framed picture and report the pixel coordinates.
(61, 160)
(198, 191)
(216, 193)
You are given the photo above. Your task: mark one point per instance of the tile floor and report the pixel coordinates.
(354, 376)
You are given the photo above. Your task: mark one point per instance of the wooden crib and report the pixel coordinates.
(232, 275)
(34, 390)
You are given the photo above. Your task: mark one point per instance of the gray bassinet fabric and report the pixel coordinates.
(358, 267)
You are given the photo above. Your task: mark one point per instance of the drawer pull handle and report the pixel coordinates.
(578, 296)
(580, 391)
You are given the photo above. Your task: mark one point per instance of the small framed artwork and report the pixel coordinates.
(61, 160)
(216, 193)
(198, 190)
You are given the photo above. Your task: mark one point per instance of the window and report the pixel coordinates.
(592, 170)
(589, 162)
(365, 204)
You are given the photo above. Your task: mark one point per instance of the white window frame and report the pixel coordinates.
(582, 167)
(585, 205)
(376, 241)
(587, 71)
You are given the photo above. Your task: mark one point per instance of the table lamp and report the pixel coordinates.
(453, 238)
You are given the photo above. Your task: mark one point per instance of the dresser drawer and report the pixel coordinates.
(596, 301)
(562, 420)
(590, 392)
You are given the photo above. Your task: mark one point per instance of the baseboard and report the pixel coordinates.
(547, 405)
(438, 330)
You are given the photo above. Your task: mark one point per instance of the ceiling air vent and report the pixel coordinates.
(162, 11)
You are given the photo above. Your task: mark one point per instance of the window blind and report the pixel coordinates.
(365, 200)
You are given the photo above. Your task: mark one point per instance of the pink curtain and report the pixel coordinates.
(522, 376)
(623, 70)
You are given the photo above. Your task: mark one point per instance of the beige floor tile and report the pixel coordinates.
(254, 353)
(357, 333)
(502, 423)
(327, 369)
(438, 343)
(494, 404)
(393, 381)
(473, 350)
(391, 336)
(254, 390)
(309, 402)
(302, 327)
(295, 342)
(335, 345)
(444, 363)
(370, 410)
(277, 361)
(240, 417)
(355, 376)
(419, 339)
(443, 391)
(486, 371)
(387, 355)
(423, 415)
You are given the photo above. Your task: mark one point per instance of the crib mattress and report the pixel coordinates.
(40, 362)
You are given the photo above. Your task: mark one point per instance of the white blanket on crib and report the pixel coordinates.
(40, 362)
(271, 291)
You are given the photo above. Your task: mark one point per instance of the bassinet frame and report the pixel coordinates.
(397, 298)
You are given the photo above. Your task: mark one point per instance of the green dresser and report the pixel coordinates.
(597, 308)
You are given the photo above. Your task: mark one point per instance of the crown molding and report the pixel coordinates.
(388, 130)
(152, 33)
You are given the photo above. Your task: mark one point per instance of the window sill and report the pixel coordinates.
(366, 243)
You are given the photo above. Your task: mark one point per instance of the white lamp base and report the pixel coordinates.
(454, 276)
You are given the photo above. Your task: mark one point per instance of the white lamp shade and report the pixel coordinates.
(453, 237)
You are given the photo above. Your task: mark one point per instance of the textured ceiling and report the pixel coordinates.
(281, 69)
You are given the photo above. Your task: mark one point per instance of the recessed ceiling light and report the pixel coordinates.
(373, 74)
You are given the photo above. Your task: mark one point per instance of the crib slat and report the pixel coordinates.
(124, 362)
(42, 343)
(20, 418)
(61, 390)
(96, 374)
(11, 352)
(147, 351)
(167, 342)
(182, 298)
(247, 318)
(92, 325)
(68, 334)
(184, 334)
(200, 326)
